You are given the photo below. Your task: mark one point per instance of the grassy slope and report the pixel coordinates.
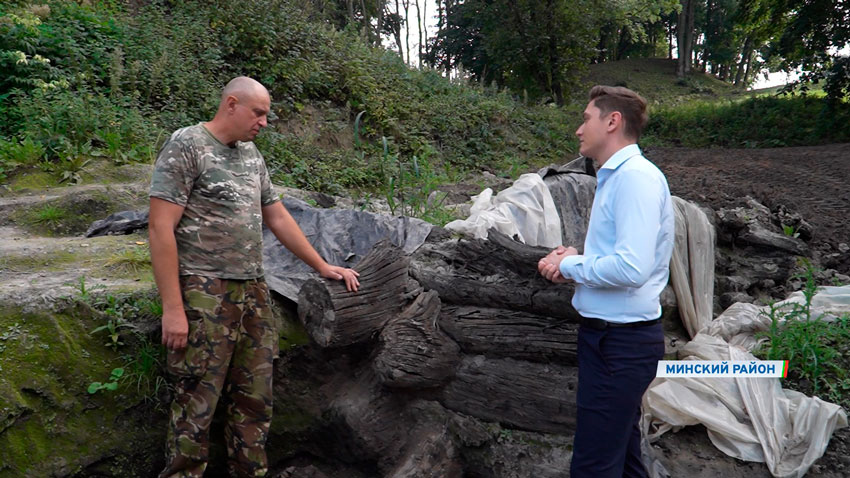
(655, 79)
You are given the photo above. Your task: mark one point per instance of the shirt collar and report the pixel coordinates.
(621, 156)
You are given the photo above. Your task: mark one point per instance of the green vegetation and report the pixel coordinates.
(131, 260)
(101, 82)
(123, 313)
(49, 214)
(48, 361)
(96, 84)
(758, 122)
(111, 384)
(817, 349)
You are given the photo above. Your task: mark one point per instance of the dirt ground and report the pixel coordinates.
(812, 181)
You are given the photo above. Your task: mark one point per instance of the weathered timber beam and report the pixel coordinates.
(526, 395)
(413, 352)
(333, 316)
(510, 333)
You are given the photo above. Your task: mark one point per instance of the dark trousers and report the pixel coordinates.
(615, 366)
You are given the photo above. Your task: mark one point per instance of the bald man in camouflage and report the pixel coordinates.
(209, 196)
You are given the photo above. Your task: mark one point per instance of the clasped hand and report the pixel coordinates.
(549, 266)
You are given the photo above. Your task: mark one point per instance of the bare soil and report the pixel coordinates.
(812, 181)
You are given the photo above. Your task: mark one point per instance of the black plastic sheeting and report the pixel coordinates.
(341, 236)
(123, 222)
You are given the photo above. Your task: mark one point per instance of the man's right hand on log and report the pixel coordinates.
(549, 266)
(349, 276)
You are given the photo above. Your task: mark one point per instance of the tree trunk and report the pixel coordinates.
(745, 54)
(692, 36)
(685, 38)
(413, 352)
(380, 26)
(496, 273)
(526, 395)
(510, 333)
(333, 316)
(489, 341)
(419, 21)
(406, 5)
(397, 32)
(748, 65)
(364, 28)
(554, 62)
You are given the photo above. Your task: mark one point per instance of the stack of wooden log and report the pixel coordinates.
(461, 328)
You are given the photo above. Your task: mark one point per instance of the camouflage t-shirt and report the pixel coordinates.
(223, 190)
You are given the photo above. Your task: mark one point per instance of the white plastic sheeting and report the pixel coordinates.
(692, 265)
(752, 419)
(525, 211)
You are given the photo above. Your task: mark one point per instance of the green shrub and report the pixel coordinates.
(760, 122)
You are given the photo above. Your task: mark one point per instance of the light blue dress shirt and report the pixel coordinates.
(626, 261)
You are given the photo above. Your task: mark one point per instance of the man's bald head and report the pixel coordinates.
(243, 87)
(243, 111)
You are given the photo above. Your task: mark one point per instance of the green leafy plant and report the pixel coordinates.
(110, 385)
(112, 327)
(812, 345)
(790, 231)
(21, 153)
(85, 293)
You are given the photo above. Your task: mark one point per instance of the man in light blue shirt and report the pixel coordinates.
(619, 278)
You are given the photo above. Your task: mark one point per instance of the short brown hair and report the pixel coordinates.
(630, 104)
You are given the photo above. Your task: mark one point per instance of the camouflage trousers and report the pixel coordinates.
(232, 343)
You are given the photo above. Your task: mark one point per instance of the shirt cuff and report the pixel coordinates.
(568, 264)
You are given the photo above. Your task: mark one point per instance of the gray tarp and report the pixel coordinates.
(572, 186)
(341, 236)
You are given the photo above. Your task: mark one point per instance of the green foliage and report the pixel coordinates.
(49, 215)
(110, 385)
(756, 122)
(815, 347)
(538, 48)
(790, 231)
(143, 358)
(814, 38)
(107, 83)
(131, 260)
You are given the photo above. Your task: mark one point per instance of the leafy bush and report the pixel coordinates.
(754, 123)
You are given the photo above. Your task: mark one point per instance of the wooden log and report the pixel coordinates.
(334, 316)
(516, 393)
(413, 352)
(496, 273)
(510, 333)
